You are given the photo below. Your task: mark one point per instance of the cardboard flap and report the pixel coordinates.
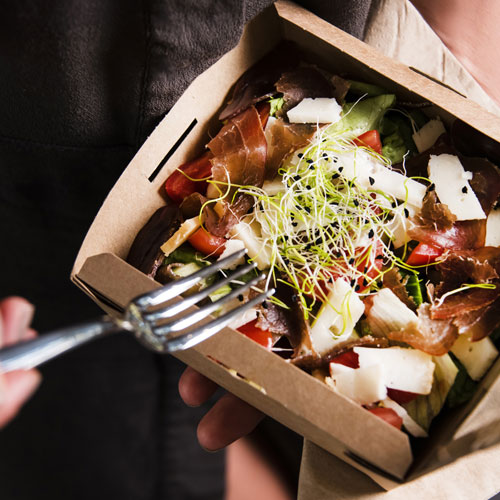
(240, 365)
(266, 381)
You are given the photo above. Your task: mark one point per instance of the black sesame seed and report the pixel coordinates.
(365, 282)
(240, 297)
(264, 305)
(353, 282)
(406, 212)
(335, 160)
(356, 288)
(371, 232)
(335, 176)
(307, 209)
(341, 169)
(295, 224)
(464, 190)
(309, 160)
(379, 257)
(371, 180)
(325, 156)
(356, 203)
(308, 186)
(296, 178)
(351, 261)
(300, 155)
(431, 187)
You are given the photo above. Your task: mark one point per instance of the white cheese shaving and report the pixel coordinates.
(408, 370)
(319, 110)
(453, 188)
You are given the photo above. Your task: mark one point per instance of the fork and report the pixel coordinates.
(154, 318)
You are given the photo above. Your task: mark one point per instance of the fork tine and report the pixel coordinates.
(172, 310)
(196, 316)
(174, 289)
(190, 339)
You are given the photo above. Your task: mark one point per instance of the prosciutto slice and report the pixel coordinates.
(302, 82)
(435, 337)
(258, 83)
(239, 150)
(315, 361)
(284, 139)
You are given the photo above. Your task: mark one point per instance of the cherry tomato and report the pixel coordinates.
(179, 186)
(252, 331)
(348, 358)
(401, 397)
(263, 108)
(424, 254)
(370, 139)
(389, 415)
(207, 243)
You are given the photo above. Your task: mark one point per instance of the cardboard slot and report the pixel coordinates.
(292, 396)
(172, 150)
(435, 80)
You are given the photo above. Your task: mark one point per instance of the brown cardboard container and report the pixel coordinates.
(238, 364)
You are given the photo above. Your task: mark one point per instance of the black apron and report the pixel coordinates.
(82, 85)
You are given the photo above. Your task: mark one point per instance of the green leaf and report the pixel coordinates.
(393, 147)
(276, 105)
(362, 88)
(366, 114)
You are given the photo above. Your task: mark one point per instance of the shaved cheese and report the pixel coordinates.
(230, 247)
(337, 317)
(399, 225)
(319, 110)
(362, 385)
(409, 424)
(408, 370)
(428, 135)
(187, 229)
(389, 314)
(493, 229)
(369, 173)
(476, 357)
(250, 234)
(274, 187)
(453, 188)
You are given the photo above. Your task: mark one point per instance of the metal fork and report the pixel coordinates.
(154, 318)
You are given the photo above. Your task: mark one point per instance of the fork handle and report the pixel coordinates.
(31, 353)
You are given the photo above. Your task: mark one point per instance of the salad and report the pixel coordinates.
(379, 234)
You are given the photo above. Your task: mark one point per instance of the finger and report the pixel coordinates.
(195, 388)
(16, 315)
(17, 388)
(228, 420)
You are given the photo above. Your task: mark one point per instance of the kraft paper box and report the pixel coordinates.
(241, 366)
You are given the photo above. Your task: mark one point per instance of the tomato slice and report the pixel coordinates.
(348, 358)
(401, 397)
(179, 185)
(262, 337)
(370, 139)
(424, 254)
(207, 243)
(389, 415)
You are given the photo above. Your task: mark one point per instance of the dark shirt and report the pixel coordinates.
(83, 84)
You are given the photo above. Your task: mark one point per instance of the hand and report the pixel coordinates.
(229, 419)
(15, 387)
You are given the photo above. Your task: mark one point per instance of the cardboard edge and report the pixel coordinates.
(224, 359)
